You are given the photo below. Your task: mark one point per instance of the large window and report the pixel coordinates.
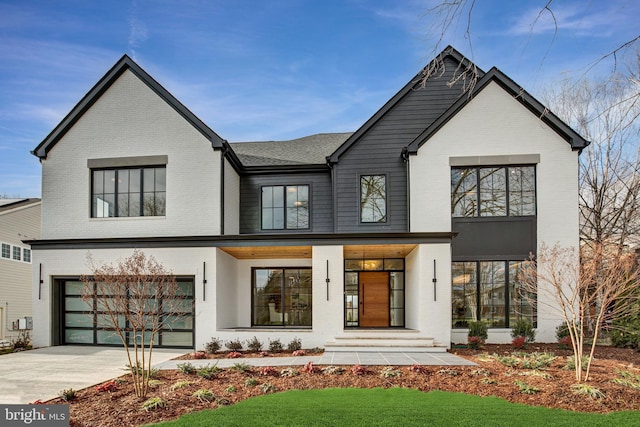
(281, 297)
(493, 191)
(489, 291)
(128, 192)
(285, 207)
(373, 198)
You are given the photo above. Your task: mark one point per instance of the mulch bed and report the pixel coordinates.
(490, 378)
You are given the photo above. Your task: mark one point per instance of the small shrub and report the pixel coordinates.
(213, 346)
(269, 371)
(186, 368)
(523, 328)
(275, 346)
(289, 372)
(241, 367)
(180, 384)
(251, 382)
(418, 369)
(109, 387)
(628, 379)
(536, 373)
(487, 380)
(481, 372)
(571, 362)
(526, 388)
(234, 345)
(199, 355)
(508, 360)
(153, 403)
(254, 344)
(294, 345)
(449, 372)
(332, 370)
(359, 370)
(587, 390)
(310, 368)
(208, 372)
(389, 372)
(299, 353)
(268, 388)
(67, 394)
(204, 395)
(475, 342)
(478, 329)
(537, 360)
(230, 389)
(626, 332)
(234, 355)
(155, 383)
(22, 342)
(519, 342)
(565, 342)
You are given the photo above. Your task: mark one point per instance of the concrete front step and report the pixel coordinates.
(382, 341)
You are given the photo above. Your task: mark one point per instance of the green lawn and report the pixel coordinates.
(392, 407)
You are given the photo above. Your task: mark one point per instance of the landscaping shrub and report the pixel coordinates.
(478, 333)
(275, 346)
(254, 344)
(22, 342)
(474, 342)
(234, 345)
(213, 346)
(294, 345)
(626, 332)
(523, 328)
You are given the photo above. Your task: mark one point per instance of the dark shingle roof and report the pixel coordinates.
(308, 150)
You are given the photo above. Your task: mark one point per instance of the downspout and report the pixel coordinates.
(405, 158)
(223, 154)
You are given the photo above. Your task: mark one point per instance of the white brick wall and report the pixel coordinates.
(131, 120)
(496, 124)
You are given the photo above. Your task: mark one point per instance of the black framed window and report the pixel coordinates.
(285, 207)
(281, 297)
(373, 198)
(496, 191)
(128, 192)
(489, 291)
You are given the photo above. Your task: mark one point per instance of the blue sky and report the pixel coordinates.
(271, 69)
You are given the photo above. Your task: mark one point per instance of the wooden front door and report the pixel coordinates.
(374, 299)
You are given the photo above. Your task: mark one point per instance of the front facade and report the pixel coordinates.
(19, 221)
(409, 227)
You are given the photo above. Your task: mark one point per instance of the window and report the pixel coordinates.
(17, 253)
(373, 198)
(6, 250)
(285, 207)
(489, 291)
(281, 297)
(493, 191)
(26, 255)
(128, 192)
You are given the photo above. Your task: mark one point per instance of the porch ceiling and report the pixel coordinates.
(377, 251)
(266, 252)
(350, 251)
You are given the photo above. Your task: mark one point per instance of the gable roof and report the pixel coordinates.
(308, 150)
(448, 52)
(10, 204)
(125, 63)
(576, 141)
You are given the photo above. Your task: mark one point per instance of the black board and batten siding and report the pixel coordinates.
(319, 194)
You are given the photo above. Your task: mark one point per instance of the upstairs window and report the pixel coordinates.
(493, 191)
(17, 252)
(285, 207)
(373, 198)
(128, 192)
(6, 250)
(26, 255)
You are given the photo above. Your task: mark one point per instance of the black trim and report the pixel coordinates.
(245, 240)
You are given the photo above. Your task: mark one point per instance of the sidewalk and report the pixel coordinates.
(333, 358)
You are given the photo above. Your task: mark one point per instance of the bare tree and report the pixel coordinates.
(582, 292)
(606, 112)
(135, 299)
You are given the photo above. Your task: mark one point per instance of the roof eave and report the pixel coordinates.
(125, 63)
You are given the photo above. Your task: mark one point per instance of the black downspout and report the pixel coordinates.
(223, 154)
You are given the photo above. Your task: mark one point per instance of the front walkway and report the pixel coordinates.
(334, 358)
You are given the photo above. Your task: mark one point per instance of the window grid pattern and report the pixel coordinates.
(489, 291)
(15, 253)
(281, 297)
(285, 207)
(128, 192)
(493, 191)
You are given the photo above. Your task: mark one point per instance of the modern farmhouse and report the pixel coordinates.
(397, 234)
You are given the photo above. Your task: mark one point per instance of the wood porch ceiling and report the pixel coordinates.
(293, 252)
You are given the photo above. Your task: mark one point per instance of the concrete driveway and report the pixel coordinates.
(41, 373)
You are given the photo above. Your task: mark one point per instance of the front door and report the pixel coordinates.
(374, 299)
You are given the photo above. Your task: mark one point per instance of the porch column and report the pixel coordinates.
(328, 297)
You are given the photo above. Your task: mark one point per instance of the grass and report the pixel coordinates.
(384, 407)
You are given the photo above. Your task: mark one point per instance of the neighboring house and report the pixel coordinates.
(338, 239)
(19, 221)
